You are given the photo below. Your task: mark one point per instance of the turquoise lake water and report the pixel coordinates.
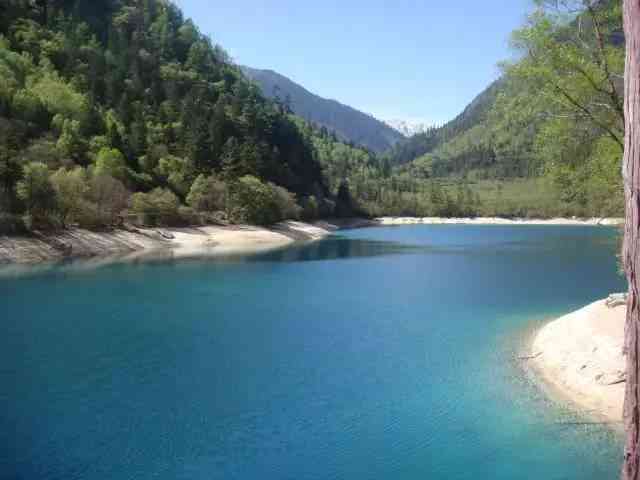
(383, 353)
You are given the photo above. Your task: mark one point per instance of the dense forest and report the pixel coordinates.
(124, 106)
(121, 110)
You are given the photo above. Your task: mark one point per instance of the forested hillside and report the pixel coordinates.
(351, 125)
(112, 104)
(555, 116)
(417, 145)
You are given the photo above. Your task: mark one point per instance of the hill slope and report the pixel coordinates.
(425, 142)
(350, 124)
(556, 115)
(130, 97)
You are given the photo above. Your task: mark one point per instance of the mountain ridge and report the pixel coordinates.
(348, 123)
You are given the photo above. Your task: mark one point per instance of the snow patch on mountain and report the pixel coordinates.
(408, 128)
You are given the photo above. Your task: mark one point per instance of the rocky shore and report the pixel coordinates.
(180, 242)
(580, 355)
(78, 243)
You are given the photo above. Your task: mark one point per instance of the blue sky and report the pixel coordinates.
(420, 59)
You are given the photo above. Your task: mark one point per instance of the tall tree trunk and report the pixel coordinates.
(631, 250)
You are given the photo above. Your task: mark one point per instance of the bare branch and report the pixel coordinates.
(617, 101)
(590, 114)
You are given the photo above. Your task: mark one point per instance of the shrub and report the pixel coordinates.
(158, 207)
(310, 208)
(188, 216)
(39, 197)
(42, 150)
(89, 201)
(207, 194)
(286, 202)
(178, 172)
(108, 198)
(111, 162)
(71, 188)
(253, 201)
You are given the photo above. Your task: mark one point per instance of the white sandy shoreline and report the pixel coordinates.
(580, 356)
(188, 241)
(390, 221)
(176, 242)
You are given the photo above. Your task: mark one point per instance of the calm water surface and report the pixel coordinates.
(383, 353)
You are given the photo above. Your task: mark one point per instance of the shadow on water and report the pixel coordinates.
(334, 248)
(337, 248)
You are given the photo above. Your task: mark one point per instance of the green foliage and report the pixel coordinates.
(57, 96)
(70, 143)
(111, 162)
(571, 75)
(107, 200)
(158, 207)
(556, 113)
(71, 188)
(252, 201)
(135, 90)
(178, 173)
(208, 194)
(38, 194)
(256, 202)
(575, 62)
(310, 208)
(286, 202)
(88, 199)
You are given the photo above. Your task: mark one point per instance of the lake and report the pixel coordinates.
(381, 353)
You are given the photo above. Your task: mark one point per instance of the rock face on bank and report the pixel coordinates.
(581, 355)
(74, 243)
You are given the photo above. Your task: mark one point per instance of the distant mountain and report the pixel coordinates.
(426, 142)
(348, 123)
(408, 128)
